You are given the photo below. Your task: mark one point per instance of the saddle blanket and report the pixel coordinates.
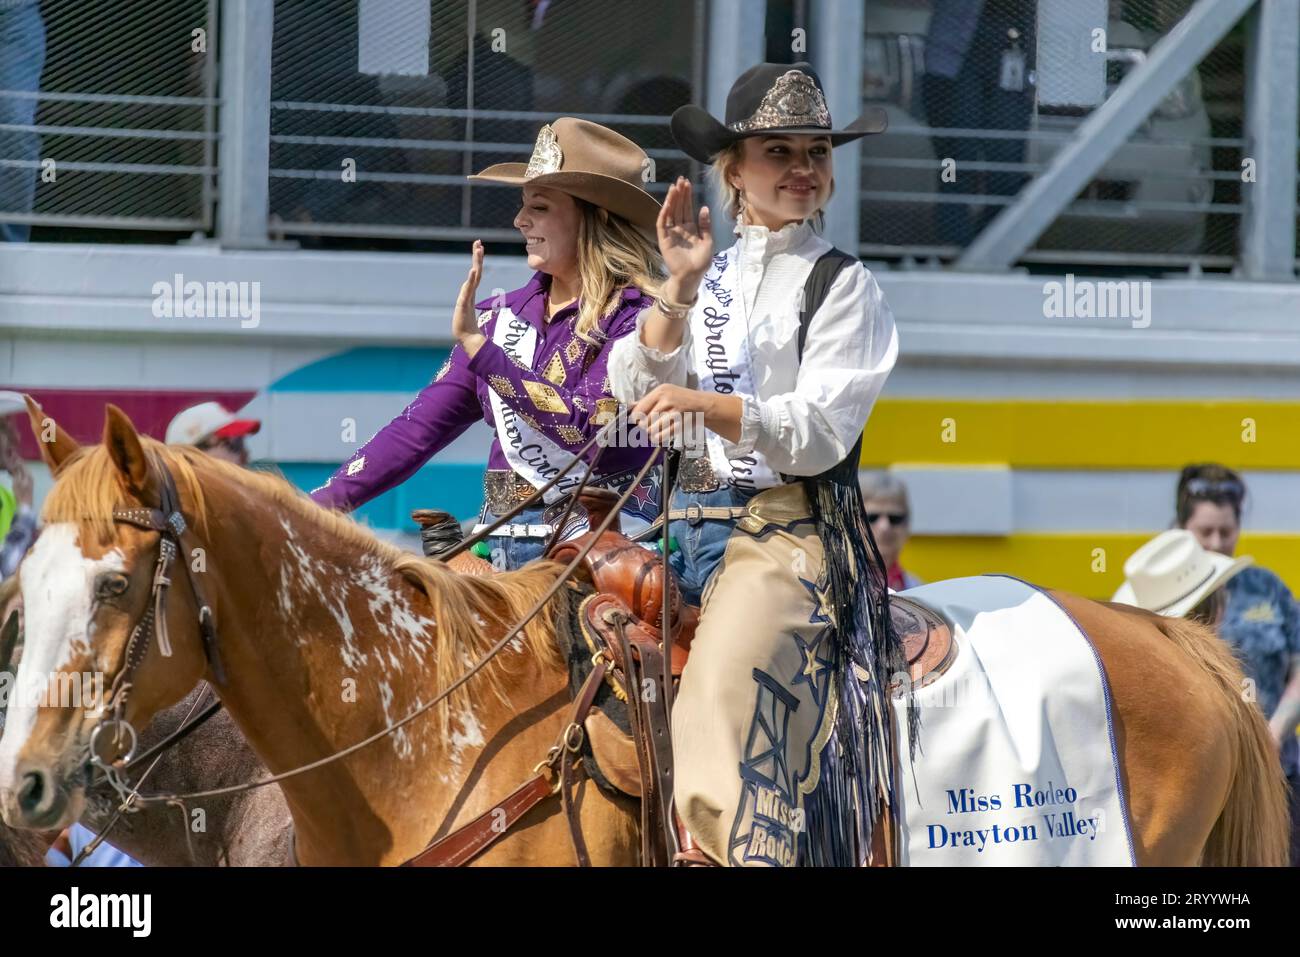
(1016, 764)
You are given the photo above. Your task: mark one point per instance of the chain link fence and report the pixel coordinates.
(983, 96)
(381, 108)
(119, 127)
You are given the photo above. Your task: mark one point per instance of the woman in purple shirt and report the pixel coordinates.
(533, 363)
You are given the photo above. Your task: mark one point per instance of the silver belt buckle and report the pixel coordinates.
(696, 475)
(504, 490)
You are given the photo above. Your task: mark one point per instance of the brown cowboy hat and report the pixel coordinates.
(769, 98)
(589, 161)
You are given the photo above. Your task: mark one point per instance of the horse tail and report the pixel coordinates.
(1254, 827)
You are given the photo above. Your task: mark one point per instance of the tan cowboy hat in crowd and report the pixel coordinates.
(1172, 574)
(589, 161)
(769, 98)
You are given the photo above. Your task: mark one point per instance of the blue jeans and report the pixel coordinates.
(509, 553)
(700, 547)
(22, 57)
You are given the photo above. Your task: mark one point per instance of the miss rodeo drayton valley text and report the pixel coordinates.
(1063, 822)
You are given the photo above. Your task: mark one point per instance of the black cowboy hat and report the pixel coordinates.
(768, 98)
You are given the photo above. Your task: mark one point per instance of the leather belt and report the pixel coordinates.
(695, 514)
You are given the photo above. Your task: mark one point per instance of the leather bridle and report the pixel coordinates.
(170, 524)
(174, 540)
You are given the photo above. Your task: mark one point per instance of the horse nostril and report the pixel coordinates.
(32, 792)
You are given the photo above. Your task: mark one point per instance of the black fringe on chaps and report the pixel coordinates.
(857, 763)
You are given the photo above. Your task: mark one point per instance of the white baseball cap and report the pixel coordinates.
(11, 402)
(1172, 574)
(199, 422)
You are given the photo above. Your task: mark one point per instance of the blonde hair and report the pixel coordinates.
(719, 177)
(612, 255)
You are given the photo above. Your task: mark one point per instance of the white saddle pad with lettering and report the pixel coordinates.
(1017, 763)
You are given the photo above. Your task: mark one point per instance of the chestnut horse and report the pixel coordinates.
(328, 636)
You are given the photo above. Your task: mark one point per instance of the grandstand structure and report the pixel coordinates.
(1131, 306)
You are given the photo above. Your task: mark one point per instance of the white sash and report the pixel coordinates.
(1018, 764)
(723, 364)
(529, 452)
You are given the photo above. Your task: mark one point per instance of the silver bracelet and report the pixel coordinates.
(676, 310)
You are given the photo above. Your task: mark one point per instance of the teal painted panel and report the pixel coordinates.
(453, 487)
(366, 369)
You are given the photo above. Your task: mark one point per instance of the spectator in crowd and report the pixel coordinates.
(74, 840)
(978, 62)
(1260, 621)
(1155, 578)
(213, 429)
(889, 515)
(17, 515)
(22, 57)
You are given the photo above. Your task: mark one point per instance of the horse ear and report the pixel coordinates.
(56, 445)
(124, 448)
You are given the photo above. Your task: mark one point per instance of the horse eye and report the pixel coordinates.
(111, 585)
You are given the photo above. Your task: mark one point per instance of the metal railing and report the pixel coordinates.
(385, 153)
(121, 131)
(1171, 195)
(354, 122)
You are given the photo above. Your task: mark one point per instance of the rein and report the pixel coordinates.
(126, 791)
(172, 522)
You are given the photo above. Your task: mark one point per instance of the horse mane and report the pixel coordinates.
(472, 613)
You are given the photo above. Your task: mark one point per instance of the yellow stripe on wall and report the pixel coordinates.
(1045, 434)
(1071, 561)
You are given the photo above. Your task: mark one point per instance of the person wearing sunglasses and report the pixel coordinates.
(1261, 620)
(211, 427)
(889, 515)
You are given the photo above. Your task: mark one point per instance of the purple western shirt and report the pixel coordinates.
(566, 396)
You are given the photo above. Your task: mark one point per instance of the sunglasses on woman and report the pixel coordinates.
(1215, 488)
(895, 518)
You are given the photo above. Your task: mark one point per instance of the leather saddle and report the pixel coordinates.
(623, 596)
(620, 617)
(635, 602)
(927, 640)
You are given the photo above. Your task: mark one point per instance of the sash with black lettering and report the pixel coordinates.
(529, 452)
(723, 364)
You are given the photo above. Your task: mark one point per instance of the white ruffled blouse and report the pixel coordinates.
(806, 415)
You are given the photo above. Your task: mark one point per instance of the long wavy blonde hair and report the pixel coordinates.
(612, 255)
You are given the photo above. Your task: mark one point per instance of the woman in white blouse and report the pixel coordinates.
(769, 743)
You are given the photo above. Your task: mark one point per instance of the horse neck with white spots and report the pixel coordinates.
(323, 643)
